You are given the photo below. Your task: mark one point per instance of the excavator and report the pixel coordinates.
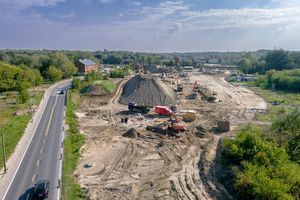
(171, 127)
(176, 124)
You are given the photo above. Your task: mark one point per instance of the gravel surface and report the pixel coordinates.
(147, 91)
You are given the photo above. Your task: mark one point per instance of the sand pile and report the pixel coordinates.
(147, 91)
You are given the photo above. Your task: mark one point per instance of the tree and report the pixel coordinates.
(76, 83)
(23, 95)
(278, 60)
(177, 60)
(62, 62)
(4, 57)
(54, 73)
(293, 148)
(8, 77)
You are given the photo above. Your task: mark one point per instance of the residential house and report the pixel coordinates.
(85, 66)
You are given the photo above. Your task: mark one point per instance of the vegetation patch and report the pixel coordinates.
(98, 88)
(14, 124)
(74, 140)
(255, 168)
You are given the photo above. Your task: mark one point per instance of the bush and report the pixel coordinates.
(261, 169)
(23, 96)
(76, 83)
(287, 80)
(94, 76)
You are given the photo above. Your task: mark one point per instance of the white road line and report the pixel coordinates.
(22, 158)
(62, 152)
(34, 132)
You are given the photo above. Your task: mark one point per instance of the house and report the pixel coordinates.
(85, 66)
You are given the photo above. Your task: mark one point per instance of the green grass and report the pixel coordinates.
(108, 86)
(72, 144)
(288, 102)
(14, 126)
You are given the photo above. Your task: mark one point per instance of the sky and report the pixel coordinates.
(150, 26)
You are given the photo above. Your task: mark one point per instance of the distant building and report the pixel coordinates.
(213, 61)
(188, 68)
(85, 66)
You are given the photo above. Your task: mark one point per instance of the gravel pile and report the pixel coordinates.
(147, 91)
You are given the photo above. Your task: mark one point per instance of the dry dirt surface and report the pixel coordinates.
(124, 161)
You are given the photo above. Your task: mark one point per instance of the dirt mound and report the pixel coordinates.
(93, 90)
(131, 133)
(147, 91)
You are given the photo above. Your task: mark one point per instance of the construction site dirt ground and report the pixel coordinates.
(154, 166)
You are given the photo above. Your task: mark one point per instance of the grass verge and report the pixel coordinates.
(287, 100)
(72, 144)
(13, 125)
(108, 86)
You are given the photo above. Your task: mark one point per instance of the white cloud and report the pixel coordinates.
(21, 4)
(107, 1)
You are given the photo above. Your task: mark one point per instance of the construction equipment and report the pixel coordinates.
(133, 107)
(179, 88)
(163, 110)
(189, 117)
(176, 125)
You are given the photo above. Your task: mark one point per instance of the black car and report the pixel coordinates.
(60, 92)
(41, 189)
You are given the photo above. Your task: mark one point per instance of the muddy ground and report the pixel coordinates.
(151, 165)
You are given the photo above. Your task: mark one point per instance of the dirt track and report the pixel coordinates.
(153, 166)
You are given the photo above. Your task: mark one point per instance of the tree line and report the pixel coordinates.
(260, 165)
(286, 80)
(274, 60)
(20, 71)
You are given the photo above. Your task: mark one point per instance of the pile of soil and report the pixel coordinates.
(94, 90)
(131, 133)
(147, 91)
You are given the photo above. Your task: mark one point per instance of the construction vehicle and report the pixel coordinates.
(176, 125)
(189, 117)
(163, 110)
(179, 88)
(133, 107)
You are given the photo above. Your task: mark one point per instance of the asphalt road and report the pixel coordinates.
(43, 157)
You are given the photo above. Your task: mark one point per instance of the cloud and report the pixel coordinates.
(21, 4)
(107, 1)
(175, 27)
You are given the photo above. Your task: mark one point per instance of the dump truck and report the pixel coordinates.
(133, 107)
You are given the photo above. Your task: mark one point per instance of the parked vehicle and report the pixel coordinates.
(163, 110)
(133, 107)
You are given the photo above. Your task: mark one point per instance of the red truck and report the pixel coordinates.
(163, 110)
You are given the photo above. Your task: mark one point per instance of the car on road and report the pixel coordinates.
(60, 92)
(41, 189)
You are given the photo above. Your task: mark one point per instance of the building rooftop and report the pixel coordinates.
(86, 61)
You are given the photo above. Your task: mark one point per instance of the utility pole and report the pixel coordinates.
(3, 152)
(31, 112)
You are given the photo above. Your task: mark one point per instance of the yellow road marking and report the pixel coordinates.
(44, 140)
(51, 116)
(33, 178)
(41, 151)
(38, 163)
